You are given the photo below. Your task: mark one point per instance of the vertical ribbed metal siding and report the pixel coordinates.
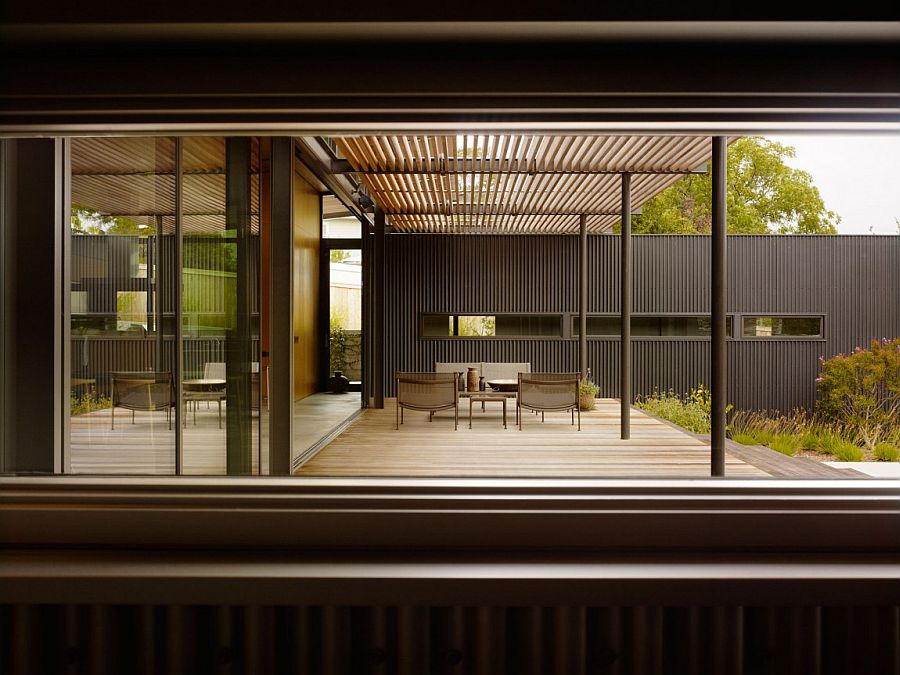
(95, 357)
(853, 281)
(105, 264)
(570, 640)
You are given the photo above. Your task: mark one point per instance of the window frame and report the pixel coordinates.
(821, 337)
(422, 315)
(638, 315)
(614, 518)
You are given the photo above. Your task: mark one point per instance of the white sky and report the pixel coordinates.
(858, 176)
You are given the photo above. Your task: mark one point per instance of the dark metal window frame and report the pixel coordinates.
(821, 337)
(638, 315)
(791, 541)
(422, 336)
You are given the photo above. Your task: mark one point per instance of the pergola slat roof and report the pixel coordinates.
(516, 184)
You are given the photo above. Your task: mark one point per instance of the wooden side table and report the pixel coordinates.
(485, 398)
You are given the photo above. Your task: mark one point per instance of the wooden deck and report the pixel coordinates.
(147, 447)
(372, 447)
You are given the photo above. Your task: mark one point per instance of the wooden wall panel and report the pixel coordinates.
(307, 237)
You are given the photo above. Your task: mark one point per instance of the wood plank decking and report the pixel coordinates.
(147, 447)
(372, 447)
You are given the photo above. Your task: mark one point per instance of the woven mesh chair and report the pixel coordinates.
(428, 392)
(142, 391)
(544, 392)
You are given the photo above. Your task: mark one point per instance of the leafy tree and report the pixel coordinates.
(86, 220)
(337, 255)
(765, 196)
(862, 389)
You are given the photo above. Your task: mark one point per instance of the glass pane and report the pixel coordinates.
(477, 326)
(782, 326)
(529, 326)
(220, 306)
(597, 325)
(123, 207)
(652, 326)
(437, 325)
(345, 325)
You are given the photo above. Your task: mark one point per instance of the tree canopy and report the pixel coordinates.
(765, 196)
(88, 221)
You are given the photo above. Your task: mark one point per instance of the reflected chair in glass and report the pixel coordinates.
(428, 392)
(215, 370)
(546, 392)
(142, 391)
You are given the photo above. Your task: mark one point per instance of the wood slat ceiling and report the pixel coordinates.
(516, 184)
(135, 178)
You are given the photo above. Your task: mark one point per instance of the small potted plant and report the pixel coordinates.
(587, 392)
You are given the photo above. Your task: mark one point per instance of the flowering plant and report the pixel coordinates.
(862, 389)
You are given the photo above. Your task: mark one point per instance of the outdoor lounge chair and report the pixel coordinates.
(544, 392)
(428, 392)
(142, 391)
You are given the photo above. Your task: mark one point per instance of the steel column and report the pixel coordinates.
(281, 340)
(718, 355)
(238, 420)
(366, 342)
(63, 463)
(378, 311)
(154, 294)
(582, 296)
(177, 273)
(625, 291)
(33, 382)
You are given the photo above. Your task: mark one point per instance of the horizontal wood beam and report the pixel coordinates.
(487, 211)
(453, 165)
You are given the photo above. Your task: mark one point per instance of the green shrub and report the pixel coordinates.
(337, 343)
(691, 412)
(848, 452)
(861, 390)
(88, 403)
(841, 449)
(887, 452)
(811, 440)
(786, 444)
(764, 436)
(744, 439)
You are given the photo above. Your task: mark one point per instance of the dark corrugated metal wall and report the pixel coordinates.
(102, 265)
(435, 640)
(853, 280)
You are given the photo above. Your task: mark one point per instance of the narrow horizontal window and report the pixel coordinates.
(492, 325)
(782, 326)
(651, 326)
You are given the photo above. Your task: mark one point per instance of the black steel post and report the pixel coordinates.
(366, 346)
(582, 296)
(718, 356)
(378, 312)
(176, 276)
(238, 355)
(625, 282)
(281, 334)
(154, 294)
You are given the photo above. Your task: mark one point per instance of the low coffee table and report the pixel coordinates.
(485, 397)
